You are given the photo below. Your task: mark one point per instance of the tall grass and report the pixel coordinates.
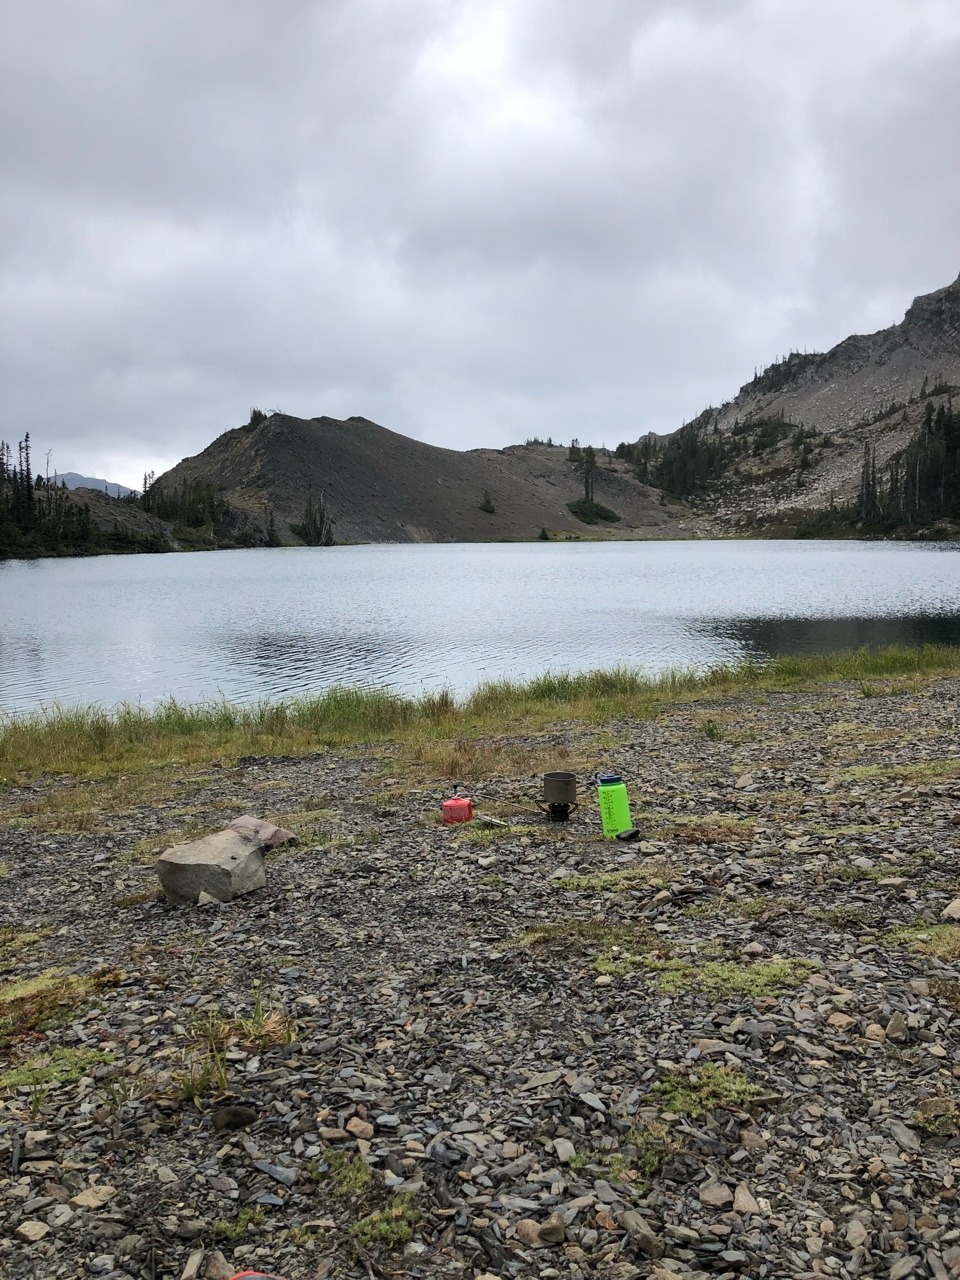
(91, 741)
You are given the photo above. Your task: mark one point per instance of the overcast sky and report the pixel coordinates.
(470, 220)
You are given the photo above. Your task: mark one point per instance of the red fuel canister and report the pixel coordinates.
(458, 809)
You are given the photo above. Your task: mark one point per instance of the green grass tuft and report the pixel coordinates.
(92, 741)
(708, 1088)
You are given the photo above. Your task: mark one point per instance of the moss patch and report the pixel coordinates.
(60, 1066)
(35, 1004)
(391, 1226)
(940, 940)
(713, 978)
(709, 1088)
(654, 873)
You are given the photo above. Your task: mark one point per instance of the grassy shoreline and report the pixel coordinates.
(95, 742)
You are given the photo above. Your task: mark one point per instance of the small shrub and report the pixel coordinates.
(237, 1229)
(391, 1226)
(593, 512)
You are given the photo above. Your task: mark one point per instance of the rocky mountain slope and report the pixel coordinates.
(793, 438)
(380, 486)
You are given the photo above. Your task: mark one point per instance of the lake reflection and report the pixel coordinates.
(277, 623)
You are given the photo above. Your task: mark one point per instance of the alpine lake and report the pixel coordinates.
(264, 625)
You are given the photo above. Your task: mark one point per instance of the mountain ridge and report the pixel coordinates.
(381, 486)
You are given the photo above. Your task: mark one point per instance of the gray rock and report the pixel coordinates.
(224, 865)
(897, 1029)
(905, 1138)
(564, 1150)
(715, 1194)
(269, 835)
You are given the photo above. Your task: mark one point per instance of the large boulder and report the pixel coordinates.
(223, 866)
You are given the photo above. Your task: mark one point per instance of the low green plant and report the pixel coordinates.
(850, 874)
(940, 940)
(654, 873)
(586, 931)
(843, 917)
(58, 1066)
(703, 1090)
(391, 1226)
(201, 1073)
(491, 882)
(237, 1229)
(348, 1176)
(714, 978)
(711, 729)
(28, 1005)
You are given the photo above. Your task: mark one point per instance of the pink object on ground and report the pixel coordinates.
(457, 809)
(270, 837)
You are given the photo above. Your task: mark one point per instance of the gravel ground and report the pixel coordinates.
(730, 1049)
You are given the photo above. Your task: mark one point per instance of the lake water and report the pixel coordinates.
(255, 624)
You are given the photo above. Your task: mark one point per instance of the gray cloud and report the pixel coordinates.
(471, 221)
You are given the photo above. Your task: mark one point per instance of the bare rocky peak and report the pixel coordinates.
(863, 374)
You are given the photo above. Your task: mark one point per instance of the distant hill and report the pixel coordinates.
(380, 486)
(793, 438)
(75, 481)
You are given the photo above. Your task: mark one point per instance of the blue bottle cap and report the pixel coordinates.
(607, 779)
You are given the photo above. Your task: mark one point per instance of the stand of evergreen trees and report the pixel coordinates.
(36, 516)
(920, 484)
(39, 516)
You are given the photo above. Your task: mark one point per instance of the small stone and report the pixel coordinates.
(715, 1194)
(360, 1128)
(641, 1233)
(951, 911)
(604, 980)
(904, 1267)
(192, 1270)
(897, 1029)
(743, 1201)
(745, 780)
(269, 835)
(874, 1032)
(553, 1230)
(752, 1141)
(840, 1021)
(932, 1107)
(94, 1197)
(606, 1220)
(528, 1231)
(857, 1234)
(564, 1150)
(225, 1119)
(218, 1268)
(754, 949)
(905, 1138)
(31, 1231)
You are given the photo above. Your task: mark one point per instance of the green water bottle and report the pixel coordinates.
(614, 805)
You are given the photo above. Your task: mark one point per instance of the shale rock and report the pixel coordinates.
(225, 866)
